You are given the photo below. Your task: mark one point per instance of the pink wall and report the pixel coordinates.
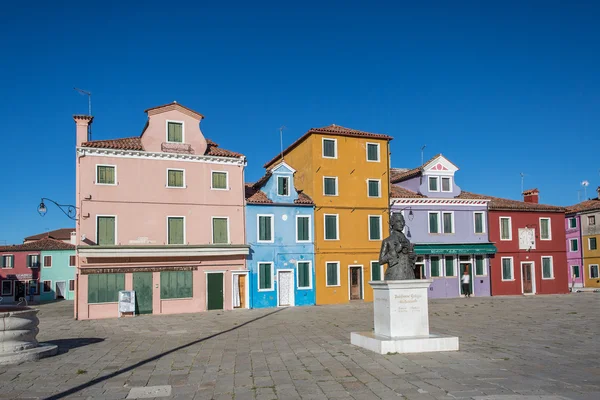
(156, 132)
(20, 264)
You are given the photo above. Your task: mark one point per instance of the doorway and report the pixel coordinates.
(356, 285)
(527, 278)
(420, 268)
(60, 288)
(465, 265)
(214, 291)
(285, 288)
(142, 285)
(19, 290)
(239, 290)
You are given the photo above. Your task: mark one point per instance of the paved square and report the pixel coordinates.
(512, 348)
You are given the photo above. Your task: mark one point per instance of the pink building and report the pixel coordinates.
(162, 214)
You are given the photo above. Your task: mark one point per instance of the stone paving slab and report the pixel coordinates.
(511, 348)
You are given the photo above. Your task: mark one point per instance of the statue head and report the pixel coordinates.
(397, 222)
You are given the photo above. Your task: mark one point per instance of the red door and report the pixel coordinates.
(527, 283)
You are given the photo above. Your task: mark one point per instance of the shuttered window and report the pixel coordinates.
(104, 288)
(505, 229)
(175, 132)
(435, 266)
(8, 261)
(329, 148)
(265, 223)
(372, 152)
(479, 222)
(219, 180)
(449, 266)
(283, 183)
(545, 229)
(330, 186)
(433, 184)
(547, 270)
(47, 286)
(575, 269)
(176, 284)
(303, 275)
(507, 269)
(375, 271)
(105, 174)
(448, 223)
(593, 244)
(574, 245)
(176, 230)
(220, 231)
(374, 227)
(445, 184)
(72, 261)
(434, 222)
(479, 266)
(331, 231)
(572, 222)
(47, 261)
(303, 228)
(106, 231)
(175, 178)
(374, 188)
(33, 261)
(332, 273)
(265, 276)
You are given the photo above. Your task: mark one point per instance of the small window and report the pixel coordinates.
(283, 186)
(594, 271)
(175, 178)
(375, 227)
(374, 188)
(33, 261)
(35, 286)
(573, 222)
(7, 288)
(47, 287)
(220, 230)
(175, 132)
(47, 261)
(480, 266)
(545, 233)
(303, 228)
(434, 222)
(219, 180)
(575, 271)
(435, 267)
(104, 288)
(105, 175)
(507, 269)
(448, 222)
(592, 220)
(176, 284)
(331, 227)
(106, 230)
(330, 187)
(573, 245)
(446, 185)
(265, 228)
(333, 273)
(304, 275)
(376, 274)
(329, 148)
(433, 184)
(592, 243)
(176, 230)
(505, 228)
(479, 222)
(71, 285)
(449, 266)
(72, 261)
(265, 276)
(547, 268)
(8, 261)
(373, 152)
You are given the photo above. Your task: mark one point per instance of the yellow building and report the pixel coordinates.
(590, 235)
(345, 172)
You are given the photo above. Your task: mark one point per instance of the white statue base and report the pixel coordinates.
(401, 317)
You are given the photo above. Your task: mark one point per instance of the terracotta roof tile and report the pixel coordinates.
(213, 149)
(256, 196)
(584, 206)
(402, 174)
(39, 245)
(58, 234)
(500, 204)
(303, 198)
(130, 143)
(398, 192)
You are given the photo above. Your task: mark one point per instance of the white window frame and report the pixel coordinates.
(2, 292)
(439, 224)
(335, 148)
(589, 220)
(337, 227)
(212, 229)
(571, 245)
(590, 269)
(272, 264)
(572, 219)
(380, 227)
(442, 220)
(12, 261)
(28, 258)
(287, 178)
(381, 272)
(73, 255)
(442, 185)
(551, 267)
(378, 188)
(116, 227)
(572, 270)
(167, 130)
(176, 187)
(337, 192)
(184, 236)
(437, 179)
(590, 243)
(378, 151)
(44, 261)
(509, 228)
(310, 274)
(106, 184)
(549, 228)
(338, 274)
(309, 228)
(272, 216)
(483, 222)
(42, 288)
(485, 267)
(211, 179)
(512, 269)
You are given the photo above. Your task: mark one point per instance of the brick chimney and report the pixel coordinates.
(82, 123)
(531, 196)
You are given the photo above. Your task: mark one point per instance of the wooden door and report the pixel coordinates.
(142, 285)
(527, 280)
(214, 290)
(242, 290)
(355, 283)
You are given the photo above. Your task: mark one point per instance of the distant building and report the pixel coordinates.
(66, 235)
(574, 252)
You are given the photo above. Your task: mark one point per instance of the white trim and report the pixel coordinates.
(38, 257)
(246, 291)
(337, 192)
(206, 289)
(533, 288)
(211, 179)
(12, 261)
(362, 281)
(437, 180)
(551, 267)
(589, 217)
(212, 229)
(44, 261)
(292, 287)
(549, 228)
(509, 228)
(310, 275)
(452, 231)
(485, 264)
(148, 155)
(380, 227)
(175, 187)
(274, 169)
(115, 174)
(571, 246)
(401, 201)
(590, 243)
(378, 188)
(66, 289)
(287, 178)
(483, 222)
(272, 288)
(590, 269)
(165, 251)
(578, 270)
(167, 130)
(378, 151)
(381, 272)
(569, 222)
(2, 293)
(335, 149)
(184, 236)
(442, 184)
(337, 226)
(272, 216)
(338, 273)
(512, 269)
(309, 228)
(96, 231)
(439, 224)
(43, 286)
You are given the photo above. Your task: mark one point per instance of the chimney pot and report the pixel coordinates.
(531, 196)
(82, 123)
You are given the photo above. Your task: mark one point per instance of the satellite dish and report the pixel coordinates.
(585, 183)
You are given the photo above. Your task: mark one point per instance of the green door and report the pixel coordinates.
(214, 283)
(142, 284)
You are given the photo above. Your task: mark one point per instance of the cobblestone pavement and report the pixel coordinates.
(539, 347)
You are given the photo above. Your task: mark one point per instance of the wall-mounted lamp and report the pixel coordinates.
(69, 210)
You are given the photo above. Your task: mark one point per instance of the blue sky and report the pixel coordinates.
(498, 88)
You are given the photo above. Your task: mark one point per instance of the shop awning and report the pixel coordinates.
(476, 248)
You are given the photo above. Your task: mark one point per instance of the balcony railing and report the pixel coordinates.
(180, 148)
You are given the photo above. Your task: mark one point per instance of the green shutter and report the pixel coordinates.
(330, 186)
(506, 269)
(372, 153)
(264, 276)
(220, 231)
(479, 265)
(106, 174)
(328, 148)
(176, 231)
(576, 271)
(449, 266)
(106, 231)
(303, 232)
(264, 228)
(593, 244)
(545, 232)
(331, 227)
(478, 223)
(93, 288)
(176, 284)
(373, 188)
(574, 245)
(104, 288)
(435, 266)
(375, 271)
(433, 223)
(219, 180)
(433, 184)
(282, 186)
(505, 233)
(175, 132)
(332, 274)
(546, 267)
(303, 274)
(374, 228)
(175, 178)
(447, 222)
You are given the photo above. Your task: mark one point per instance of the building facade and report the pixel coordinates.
(447, 226)
(574, 252)
(280, 232)
(345, 172)
(57, 274)
(162, 214)
(588, 216)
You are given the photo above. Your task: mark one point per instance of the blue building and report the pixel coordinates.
(280, 232)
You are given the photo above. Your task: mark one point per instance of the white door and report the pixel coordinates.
(285, 285)
(60, 290)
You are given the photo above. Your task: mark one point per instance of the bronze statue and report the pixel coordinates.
(398, 252)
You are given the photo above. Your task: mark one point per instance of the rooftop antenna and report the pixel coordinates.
(579, 196)
(522, 182)
(422, 150)
(585, 184)
(281, 128)
(89, 95)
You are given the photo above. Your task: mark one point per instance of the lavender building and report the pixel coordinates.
(574, 249)
(448, 226)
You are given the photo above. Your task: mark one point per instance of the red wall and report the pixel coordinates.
(20, 265)
(555, 248)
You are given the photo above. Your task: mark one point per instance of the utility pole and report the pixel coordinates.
(422, 151)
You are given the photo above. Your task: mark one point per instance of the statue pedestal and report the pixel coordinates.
(401, 317)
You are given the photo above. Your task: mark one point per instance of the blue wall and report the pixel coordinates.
(59, 272)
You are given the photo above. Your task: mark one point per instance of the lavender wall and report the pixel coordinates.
(413, 184)
(574, 257)
(424, 187)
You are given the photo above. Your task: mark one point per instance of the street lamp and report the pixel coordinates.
(69, 210)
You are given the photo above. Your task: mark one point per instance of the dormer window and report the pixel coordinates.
(283, 185)
(446, 184)
(433, 184)
(174, 132)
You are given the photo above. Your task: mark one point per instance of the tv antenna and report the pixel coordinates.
(522, 182)
(585, 184)
(89, 95)
(281, 128)
(422, 150)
